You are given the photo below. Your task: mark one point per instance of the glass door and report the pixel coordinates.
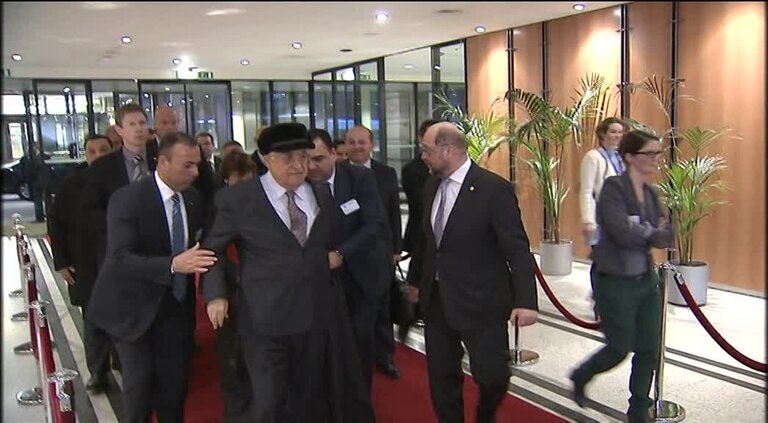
(157, 93)
(14, 137)
(209, 109)
(62, 117)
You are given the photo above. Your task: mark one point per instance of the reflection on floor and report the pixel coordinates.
(701, 377)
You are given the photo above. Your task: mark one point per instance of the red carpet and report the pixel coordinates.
(396, 401)
(407, 400)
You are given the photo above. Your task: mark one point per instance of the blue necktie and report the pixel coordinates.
(179, 281)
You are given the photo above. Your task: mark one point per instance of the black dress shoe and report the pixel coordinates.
(579, 382)
(97, 385)
(389, 369)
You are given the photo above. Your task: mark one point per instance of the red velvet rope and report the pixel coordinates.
(743, 359)
(560, 307)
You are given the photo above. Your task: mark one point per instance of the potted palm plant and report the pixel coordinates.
(688, 185)
(546, 136)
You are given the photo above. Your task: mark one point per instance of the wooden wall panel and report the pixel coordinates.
(579, 45)
(650, 53)
(722, 59)
(528, 76)
(487, 79)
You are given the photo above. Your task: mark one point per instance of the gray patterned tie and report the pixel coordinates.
(137, 170)
(298, 219)
(440, 216)
(179, 281)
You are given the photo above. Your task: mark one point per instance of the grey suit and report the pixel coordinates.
(287, 300)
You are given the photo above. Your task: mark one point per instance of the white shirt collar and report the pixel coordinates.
(332, 179)
(166, 192)
(460, 174)
(274, 190)
(366, 164)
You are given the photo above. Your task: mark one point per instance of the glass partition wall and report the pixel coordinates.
(383, 94)
(391, 96)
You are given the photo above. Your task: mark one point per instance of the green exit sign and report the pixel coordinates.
(204, 75)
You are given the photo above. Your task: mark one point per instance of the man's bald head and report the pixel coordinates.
(166, 121)
(444, 148)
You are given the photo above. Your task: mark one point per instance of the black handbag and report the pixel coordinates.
(402, 310)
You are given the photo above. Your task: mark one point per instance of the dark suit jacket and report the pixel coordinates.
(105, 176)
(136, 273)
(360, 236)
(484, 259)
(415, 173)
(66, 226)
(285, 288)
(386, 180)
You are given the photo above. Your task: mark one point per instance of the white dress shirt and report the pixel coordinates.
(166, 193)
(305, 200)
(331, 181)
(366, 164)
(454, 186)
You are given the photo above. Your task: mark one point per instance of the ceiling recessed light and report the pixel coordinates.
(408, 66)
(245, 62)
(579, 7)
(176, 61)
(223, 12)
(207, 96)
(297, 45)
(67, 89)
(167, 89)
(346, 50)
(16, 57)
(126, 39)
(480, 29)
(382, 17)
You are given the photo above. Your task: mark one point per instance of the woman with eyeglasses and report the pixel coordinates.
(631, 219)
(598, 165)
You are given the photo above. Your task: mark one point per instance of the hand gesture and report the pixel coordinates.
(193, 260)
(218, 311)
(68, 273)
(523, 316)
(413, 294)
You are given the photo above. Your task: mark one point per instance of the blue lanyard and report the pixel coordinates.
(616, 162)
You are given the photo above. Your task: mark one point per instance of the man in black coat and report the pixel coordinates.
(360, 251)
(476, 273)
(66, 227)
(359, 141)
(288, 301)
(144, 296)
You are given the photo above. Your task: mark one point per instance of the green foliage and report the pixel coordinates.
(688, 188)
(485, 131)
(690, 182)
(546, 134)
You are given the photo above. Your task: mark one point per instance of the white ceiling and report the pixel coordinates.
(82, 39)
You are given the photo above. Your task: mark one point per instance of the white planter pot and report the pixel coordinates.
(696, 277)
(556, 259)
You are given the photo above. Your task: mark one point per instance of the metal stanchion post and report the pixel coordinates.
(61, 380)
(664, 411)
(521, 357)
(31, 346)
(46, 365)
(34, 396)
(17, 226)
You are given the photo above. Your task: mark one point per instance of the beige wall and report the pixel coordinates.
(722, 60)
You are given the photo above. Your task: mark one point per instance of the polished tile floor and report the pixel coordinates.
(700, 376)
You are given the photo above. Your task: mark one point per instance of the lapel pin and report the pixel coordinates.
(471, 187)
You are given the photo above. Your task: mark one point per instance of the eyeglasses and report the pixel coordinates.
(649, 154)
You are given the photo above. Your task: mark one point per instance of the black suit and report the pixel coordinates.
(389, 191)
(287, 304)
(67, 226)
(360, 237)
(132, 301)
(415, 174)
(485, 269)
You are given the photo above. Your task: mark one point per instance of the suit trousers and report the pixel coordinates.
(235, 384)
(630, 309)
(384, 332)
(290, 374)
(488, 349)
(362, 315)
(156, 366)
(97, 348)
